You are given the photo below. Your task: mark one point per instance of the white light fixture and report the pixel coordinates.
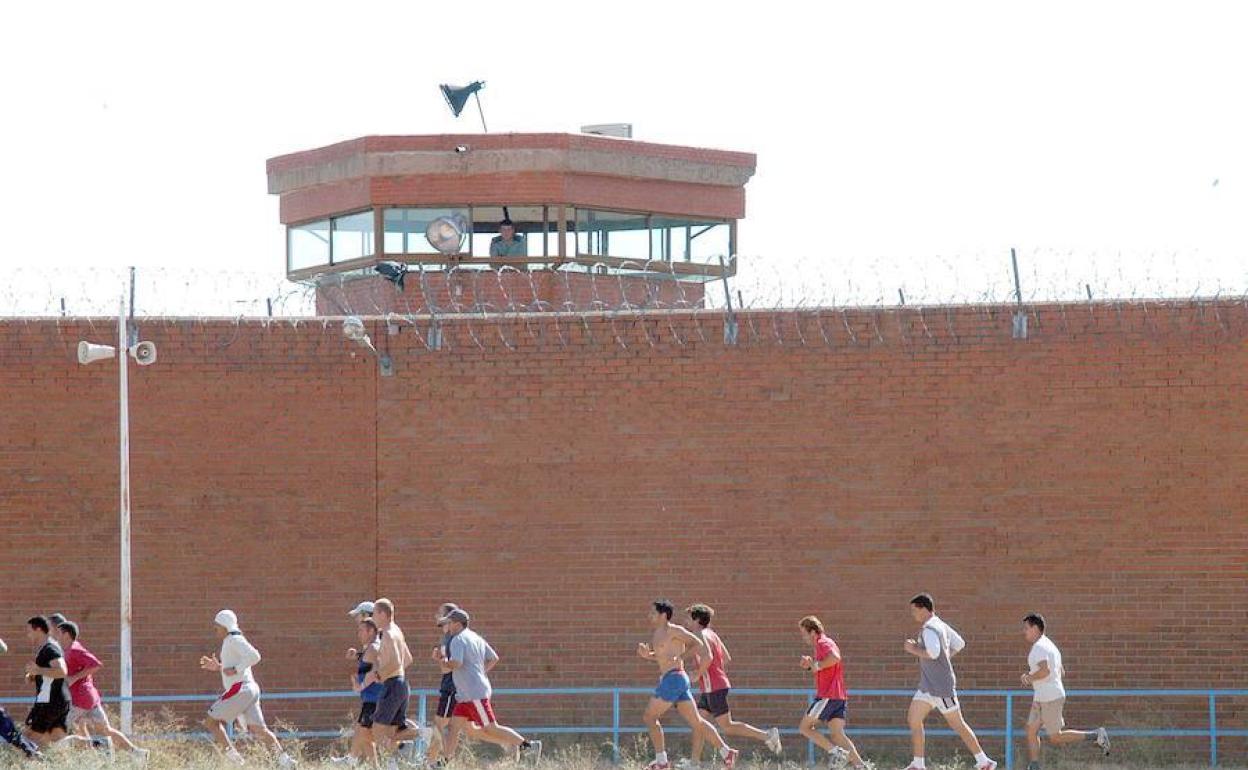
(446, 234)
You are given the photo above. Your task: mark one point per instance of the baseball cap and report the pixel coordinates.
(457, 615)
(363, 608)
(227, 620)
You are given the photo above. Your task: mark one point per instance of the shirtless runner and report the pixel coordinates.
(667, 648)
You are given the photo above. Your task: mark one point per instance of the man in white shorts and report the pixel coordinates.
(1044, 675)
(935, 646)
(240, 697)
(86, 712)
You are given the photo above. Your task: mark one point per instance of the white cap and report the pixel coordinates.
(227, 620)
(362, 608)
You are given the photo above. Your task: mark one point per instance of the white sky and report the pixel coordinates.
(898, 142)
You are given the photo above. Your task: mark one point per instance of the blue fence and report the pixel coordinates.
(618, 728)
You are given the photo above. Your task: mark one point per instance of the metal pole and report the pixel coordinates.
(1009, 730)
(1018, 289)
(476, 95)
(1213, 730)
(615, 725)
(123, 396)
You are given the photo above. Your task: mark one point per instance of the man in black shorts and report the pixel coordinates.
(46, 722)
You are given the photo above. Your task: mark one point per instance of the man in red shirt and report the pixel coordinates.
(86, 711)
(712, 679)
(830, 693)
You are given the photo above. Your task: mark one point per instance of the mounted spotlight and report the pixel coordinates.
(446, 234)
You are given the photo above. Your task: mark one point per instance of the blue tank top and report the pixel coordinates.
(371, 693)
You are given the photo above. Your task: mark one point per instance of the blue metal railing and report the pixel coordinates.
(617, 729)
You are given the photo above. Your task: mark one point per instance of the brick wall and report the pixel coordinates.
(553, 477)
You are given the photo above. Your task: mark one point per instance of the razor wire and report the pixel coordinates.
(791, 301)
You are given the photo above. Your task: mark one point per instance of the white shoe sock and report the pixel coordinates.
(981, 759)
(660, 757)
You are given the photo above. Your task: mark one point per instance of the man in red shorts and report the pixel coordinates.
(470, 661)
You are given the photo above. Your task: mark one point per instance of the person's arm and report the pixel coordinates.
(1041, 673)
(830, 657)
(54, 670)
(956, 642)
(689, 637)
(723, 650)
(407, 654)
(491, 659)
(83, 674)
(456, 661)
(644, 651)
(243, 654)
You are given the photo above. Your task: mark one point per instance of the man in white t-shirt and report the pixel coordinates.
(240, 697)
(1044, 675)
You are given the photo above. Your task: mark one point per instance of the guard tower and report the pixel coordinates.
(602, 222)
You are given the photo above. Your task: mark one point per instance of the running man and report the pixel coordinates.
(831, 697)
(471, 660)
(935, 647)
(713, 683)
(669, 644)
(390, 723)
(363, 748)
(1044, 675)
(86, 711)
(240, 697)
(46, 722)
(443, 747)
(9, 731)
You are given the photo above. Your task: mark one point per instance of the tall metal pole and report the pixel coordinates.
(123, 396)
(480, 111)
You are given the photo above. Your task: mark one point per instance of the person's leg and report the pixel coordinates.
(727, 726)
(439, 746)
(964, 731)
(458, 724)
(698, 740)
(919, 709)
(101, 721)
(1033, 742)
(809, 728)
(216, 729)
(650, 718)
(689, 713)
(836, 728)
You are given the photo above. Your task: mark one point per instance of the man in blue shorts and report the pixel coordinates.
(668, 646)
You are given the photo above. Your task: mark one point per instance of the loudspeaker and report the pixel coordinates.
(457, 96)
(144, 353)
(89, 353)
(446, 234)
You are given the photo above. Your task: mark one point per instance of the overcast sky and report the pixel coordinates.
(895, 140)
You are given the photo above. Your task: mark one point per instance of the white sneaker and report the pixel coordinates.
(532, 752)
(286, 760)
(348, 760)
(837, 758)
(989, 765)
(773, 740)
(235, 757)
(1102, 739)
(141, 755)
(685, 763)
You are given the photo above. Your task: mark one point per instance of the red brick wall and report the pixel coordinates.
(553, 477)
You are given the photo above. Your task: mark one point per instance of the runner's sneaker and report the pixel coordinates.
(1102, 739)
(141, 755)
(348, 760)
(773, 740)
(657, 765)
(837, 758)
(685, 763)
(989, 765)
(286, 761)
(234, 757)
(531, 750)
(730, 760)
